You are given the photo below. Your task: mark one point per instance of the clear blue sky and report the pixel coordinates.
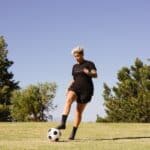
(41, 33)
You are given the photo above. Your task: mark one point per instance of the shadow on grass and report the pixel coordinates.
(114, 139)
(106, 139)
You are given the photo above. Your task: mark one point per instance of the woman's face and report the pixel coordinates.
(78, 57)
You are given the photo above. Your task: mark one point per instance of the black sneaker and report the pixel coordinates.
(71, 138)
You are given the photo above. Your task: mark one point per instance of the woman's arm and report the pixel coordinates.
(92, 73)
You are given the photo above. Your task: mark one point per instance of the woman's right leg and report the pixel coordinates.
(78, 116)
(71, 96)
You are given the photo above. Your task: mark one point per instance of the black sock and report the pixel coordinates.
(64, 119)
(73, 133)
(63, 122)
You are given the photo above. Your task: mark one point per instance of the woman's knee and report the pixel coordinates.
(79, 112)
(71, 96)
(69, 101)
(80, 108)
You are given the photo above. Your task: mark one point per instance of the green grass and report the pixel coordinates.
(90, 136)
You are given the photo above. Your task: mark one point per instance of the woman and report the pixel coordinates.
(81, 89)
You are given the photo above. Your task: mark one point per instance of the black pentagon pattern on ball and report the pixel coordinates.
(55, 133)
(50, 137)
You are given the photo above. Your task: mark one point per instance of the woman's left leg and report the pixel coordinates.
(78, 117)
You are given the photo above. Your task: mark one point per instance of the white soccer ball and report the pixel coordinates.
(54, 134)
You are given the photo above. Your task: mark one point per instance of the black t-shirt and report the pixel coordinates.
(83, 82)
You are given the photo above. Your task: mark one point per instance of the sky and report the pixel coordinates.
(41, 34)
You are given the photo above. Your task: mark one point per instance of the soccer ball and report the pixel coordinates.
(54, 134)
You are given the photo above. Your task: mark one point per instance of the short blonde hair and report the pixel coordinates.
(78, 50)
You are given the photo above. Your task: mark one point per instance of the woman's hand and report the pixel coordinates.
(86, 71)
(91, 73)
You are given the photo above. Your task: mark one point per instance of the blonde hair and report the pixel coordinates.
(78, 50)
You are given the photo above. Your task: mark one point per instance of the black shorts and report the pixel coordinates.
(83, 96)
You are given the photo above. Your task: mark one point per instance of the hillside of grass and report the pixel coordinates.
(90, 136)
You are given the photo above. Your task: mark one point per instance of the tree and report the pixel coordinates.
(7, 84)
(129, 100)
(33, 103)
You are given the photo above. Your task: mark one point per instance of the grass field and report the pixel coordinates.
(90, 136)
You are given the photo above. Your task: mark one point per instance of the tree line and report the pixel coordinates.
(34, 103)
(127, 101)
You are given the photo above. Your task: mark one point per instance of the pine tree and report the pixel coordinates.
(129, 100)
(7, 84)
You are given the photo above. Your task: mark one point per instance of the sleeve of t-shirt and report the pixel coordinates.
(73, 72)
(92, 66)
